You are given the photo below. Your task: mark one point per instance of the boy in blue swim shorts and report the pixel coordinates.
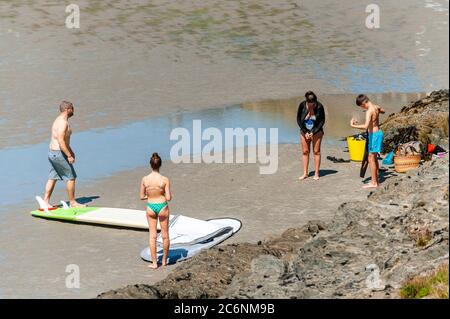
(375, 139)
(375, 142)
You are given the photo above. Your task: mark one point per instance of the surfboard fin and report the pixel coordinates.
(64, 205)
(42, 204)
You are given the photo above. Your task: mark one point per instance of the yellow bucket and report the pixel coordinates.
(356, 149)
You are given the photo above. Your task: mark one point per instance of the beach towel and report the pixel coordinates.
(410, 148)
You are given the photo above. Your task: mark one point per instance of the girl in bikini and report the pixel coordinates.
(155, 188)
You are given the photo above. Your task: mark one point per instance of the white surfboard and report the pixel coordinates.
(129, 218)
(220, 229)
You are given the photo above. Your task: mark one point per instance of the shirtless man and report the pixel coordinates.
(375, 138)
(61, 155)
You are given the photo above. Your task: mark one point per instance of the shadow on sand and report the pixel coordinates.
(84, 200)
(383, 175)
(324, 172)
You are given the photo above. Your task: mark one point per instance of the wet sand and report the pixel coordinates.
(34, 256)
(133, 60)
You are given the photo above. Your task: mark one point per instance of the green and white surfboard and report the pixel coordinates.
(130, 218)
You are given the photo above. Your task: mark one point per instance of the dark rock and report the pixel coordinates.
(132, 292)
(425, 120)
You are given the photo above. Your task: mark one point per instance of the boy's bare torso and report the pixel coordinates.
(373, 113)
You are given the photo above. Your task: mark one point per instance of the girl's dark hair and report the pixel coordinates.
(311, 97)
(155, 161)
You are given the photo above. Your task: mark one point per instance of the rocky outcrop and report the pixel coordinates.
(209, 273)
(369, 249)
(425, 120)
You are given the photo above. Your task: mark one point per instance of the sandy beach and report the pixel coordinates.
(34, 262)
(136, 70)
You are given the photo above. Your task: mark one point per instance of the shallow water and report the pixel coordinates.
(101, 153)
(104, 152)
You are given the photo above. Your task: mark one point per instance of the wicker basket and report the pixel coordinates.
(404, 163)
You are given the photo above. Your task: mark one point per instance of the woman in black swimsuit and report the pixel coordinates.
(310, 119)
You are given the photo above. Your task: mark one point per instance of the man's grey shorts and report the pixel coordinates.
(60, 169)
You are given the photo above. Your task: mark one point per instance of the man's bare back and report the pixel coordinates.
(60, 137)
(60, 126)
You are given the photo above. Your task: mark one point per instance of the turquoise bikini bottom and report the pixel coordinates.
(157, 207)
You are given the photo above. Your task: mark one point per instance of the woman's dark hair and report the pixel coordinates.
(155, 161)
(310, 97)
(361, 99)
